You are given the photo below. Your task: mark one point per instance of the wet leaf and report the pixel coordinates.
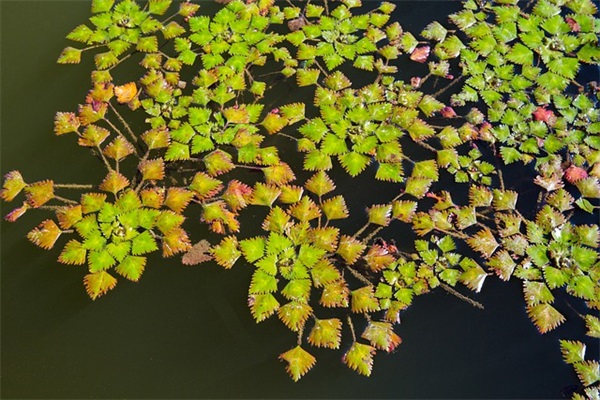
(294, 314)
(572, 351)
(588, 372)
(483, 242)
(39, 193)
(364, 300)
(98, 283)
(226, 252)
(350, 249)
(262, 306)
(360, 358)
(326, 333)
(45, 234)
(381, 335)
(299, 362)
(545, 317)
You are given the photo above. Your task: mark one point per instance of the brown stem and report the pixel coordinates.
(359, 276)
(461, 296)
(125, 124)
(72, 186)
(351, 328)
(69, 201)
(452, 83)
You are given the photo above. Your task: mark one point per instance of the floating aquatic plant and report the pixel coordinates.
(512, 94)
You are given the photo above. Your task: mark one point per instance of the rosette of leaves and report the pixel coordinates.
(113, 236)
(121, 28)
(340, 36)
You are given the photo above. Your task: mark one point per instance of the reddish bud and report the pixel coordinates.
(542, 114)
(448, 112)
(573, 24)
(415, 82)
(574, 174)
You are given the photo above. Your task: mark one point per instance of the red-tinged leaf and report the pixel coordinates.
(420, 54)
(262, 306)
(12, 186)
(299, 362)
(237, 115)
(350, 249)
(326, 333)
(156, 138)
(69, 216)
(335, 208)
(279, 174)
(360, 358)
(177, 199)
(152, 170)
(98, 283)
(382, 336)
(320, 184)
(545, 317)
(227, 252)
(39, 193)
(90, 113)
(73, 253)
(483, 242)
(335, 294)
(198, 253)
(294, 314)
(65, 122)
(237, 195)
(45, 234)
(305, 209)
(274, 122)
(575, 174)
(174, 242)
(378, 258)
(205, 186)
(118, 149)
(153, 197)
(364, 300)
(93, 136)
(218, 162)
(125, 93)
(114, 182)
(17, 212)
(92, 202)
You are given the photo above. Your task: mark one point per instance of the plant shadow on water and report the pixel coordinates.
(186, 331)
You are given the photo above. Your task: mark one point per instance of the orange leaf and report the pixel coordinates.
(114, 182)
(39, 193)
(125, 93)
(152, 170)
(153, 197)
(118, 149)
(98, 283)
(68, 216)
(45, 234)
(17, 212)
(176, 241)
(178, 198)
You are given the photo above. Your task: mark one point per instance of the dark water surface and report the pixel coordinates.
(186, 332)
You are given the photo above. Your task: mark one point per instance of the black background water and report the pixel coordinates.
(186, 332)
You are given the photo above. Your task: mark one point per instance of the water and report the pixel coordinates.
(186, 332)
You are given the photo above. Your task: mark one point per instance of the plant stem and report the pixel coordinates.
(125, 124)
(359, 276)
(361, 230)
(72, 186)
(69, 201)
(461, 296)
(351, 328)
(452, 83)
(104, 160)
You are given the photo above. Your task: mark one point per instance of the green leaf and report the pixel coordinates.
(473, 275)
(143, 243)
(354, 163)
(572, 351)
(593, 326)
(536, 293)
(588, 372)
(253, 249)
(177, 152)
(73, 253)
(262, 306)
(320, 184)
(158, 7)
(380, 214)
(299, 362)
(262, 283)
(295, 313)
(417, 187)
(70, 55)
(582, 286)
(360, 358)
(99, 6)
(132, 267)
(100, 260)
(105, 60)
